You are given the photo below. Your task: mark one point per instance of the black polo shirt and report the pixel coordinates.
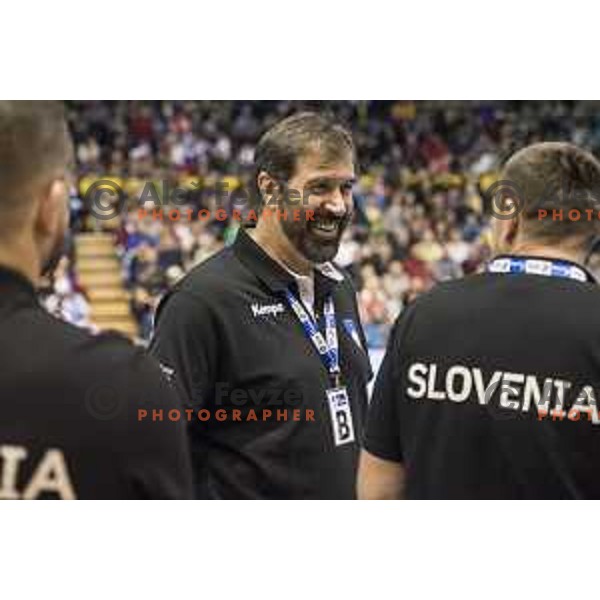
(229, 336)
(69, 405)
(489, 389)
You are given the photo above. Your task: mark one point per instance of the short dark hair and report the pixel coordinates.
(34, 144)
(555, 176)
(281, 146)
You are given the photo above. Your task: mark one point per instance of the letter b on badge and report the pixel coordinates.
(341, 416)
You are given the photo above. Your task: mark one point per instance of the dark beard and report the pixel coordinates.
(308, 244)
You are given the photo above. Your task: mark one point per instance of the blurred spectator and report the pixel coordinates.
(65, 299)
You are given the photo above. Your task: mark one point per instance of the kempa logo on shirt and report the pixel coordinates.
(263, 310)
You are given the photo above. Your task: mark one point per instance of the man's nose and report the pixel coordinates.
(335, 204)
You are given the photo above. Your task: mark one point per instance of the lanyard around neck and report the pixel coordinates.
(328, 347)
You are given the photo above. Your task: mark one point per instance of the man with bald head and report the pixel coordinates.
(490, 384)
(68, 400)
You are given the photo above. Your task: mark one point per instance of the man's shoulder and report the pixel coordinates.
(473, 297)
(203, 287)
(452, 291)
(446, 302)
(482, 285)
(81, 353)
(214, 273)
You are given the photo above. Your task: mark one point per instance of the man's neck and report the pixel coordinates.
(20, 260)
(281, 250)
(550, 252)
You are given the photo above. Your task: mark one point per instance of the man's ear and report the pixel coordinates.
(267, 187)
(508, 231)
(514, 225)
(52, 208)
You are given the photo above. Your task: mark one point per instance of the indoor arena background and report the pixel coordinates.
(421, 210)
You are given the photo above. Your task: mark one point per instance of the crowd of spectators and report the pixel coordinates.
(420, 208)
(64, 297)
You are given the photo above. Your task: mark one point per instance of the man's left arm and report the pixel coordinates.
(379, 479)
(381, 474)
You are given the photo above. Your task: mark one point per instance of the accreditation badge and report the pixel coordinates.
(341, 415)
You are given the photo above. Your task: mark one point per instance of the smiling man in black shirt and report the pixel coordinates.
(69, 400)
(265, 336)
(490, 384)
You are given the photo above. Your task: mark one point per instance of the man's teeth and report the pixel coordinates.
(328, 225)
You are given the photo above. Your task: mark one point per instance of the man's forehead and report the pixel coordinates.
(315, 165)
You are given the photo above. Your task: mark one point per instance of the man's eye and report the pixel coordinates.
(320, 189)
(347, 188)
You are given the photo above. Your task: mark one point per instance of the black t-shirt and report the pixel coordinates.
(489, 389)
(232, 341)
(69, 401)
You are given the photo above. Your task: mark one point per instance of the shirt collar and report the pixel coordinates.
(329, 270)
(272, 273)
(11, 280)
(590, 277)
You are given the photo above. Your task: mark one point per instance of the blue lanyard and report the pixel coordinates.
(328, 347)
(537, 266)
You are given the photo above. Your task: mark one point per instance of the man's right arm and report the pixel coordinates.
(157, 459)
(185, 344)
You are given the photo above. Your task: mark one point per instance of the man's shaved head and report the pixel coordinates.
(555, 176)
(35, 155)
(34, 150)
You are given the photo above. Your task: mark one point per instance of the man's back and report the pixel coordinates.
(475, 374)
(68, 411)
